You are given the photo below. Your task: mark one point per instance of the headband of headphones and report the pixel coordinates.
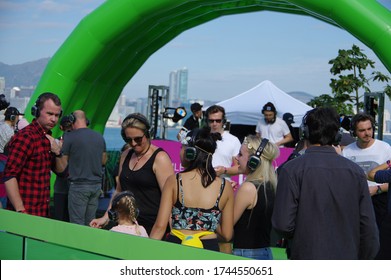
(255, 159)
(148, 130)
(113, 213)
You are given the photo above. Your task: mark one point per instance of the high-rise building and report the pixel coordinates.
(178, 86)
(2, 85)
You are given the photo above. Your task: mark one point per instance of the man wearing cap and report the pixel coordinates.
(272, 127)
(193, 121)
(7, 130)
(289, 119)
(7, 127)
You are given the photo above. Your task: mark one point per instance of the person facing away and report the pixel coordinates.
(368, 153)
(272, 127)
(382, 174)
(31, 159)
(199, 202)
(61, 185)
(322, 200)
(289, 119)
(254, 199)
(144, 168)
(193, 121)
(124, 212)
(84, 151)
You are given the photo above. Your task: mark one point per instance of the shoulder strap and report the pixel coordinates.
(180, 189)
(221, 191)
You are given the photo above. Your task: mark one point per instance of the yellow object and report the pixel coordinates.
(192, 240)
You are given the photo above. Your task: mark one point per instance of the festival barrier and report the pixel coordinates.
(27, 237)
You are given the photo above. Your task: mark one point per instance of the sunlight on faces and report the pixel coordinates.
(364, 131)
(49, 115)
(215, 122)
(242, 159)
(136, 138)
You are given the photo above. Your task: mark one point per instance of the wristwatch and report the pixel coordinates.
(379, 191)
(59, 155)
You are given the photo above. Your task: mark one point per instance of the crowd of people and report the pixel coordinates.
(323, 201)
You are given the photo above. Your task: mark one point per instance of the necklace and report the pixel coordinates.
(140, 157)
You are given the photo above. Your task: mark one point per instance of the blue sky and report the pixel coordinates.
(224, 57)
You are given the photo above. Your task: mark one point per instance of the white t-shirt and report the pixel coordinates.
(274, 132)
(6, 133)
(378, 153)
(227, 148)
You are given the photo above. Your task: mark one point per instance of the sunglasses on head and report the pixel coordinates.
(138, 139)
(217, 121)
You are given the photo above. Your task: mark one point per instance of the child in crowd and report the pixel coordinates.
(124, 211)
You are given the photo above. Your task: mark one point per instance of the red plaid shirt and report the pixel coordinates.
(30, 162)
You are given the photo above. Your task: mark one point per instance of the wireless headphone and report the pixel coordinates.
(72, 119)
(255, 160)
(148, 130)
(36, 108)
(190, 151)
(305, 133)
(113, 213)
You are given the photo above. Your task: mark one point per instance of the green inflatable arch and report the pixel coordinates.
(107, 48)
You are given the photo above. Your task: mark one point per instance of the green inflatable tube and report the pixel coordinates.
(106, 49)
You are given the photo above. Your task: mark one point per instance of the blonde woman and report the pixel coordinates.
(254, 199)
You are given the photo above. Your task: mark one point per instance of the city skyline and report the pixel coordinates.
(224, 57)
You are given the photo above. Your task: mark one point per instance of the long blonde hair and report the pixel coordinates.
(265, 170)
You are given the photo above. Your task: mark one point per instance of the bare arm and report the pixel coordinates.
(287, 138)
(165, 208)
(12, 188)
(162, 167)
(225, 230)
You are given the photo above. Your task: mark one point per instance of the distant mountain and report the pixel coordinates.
(302, 96)
(25, 74)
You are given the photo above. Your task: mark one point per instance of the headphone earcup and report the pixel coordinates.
(253, 162)
(35, 111)
(190, 153)
(12, 118)
(304, 133)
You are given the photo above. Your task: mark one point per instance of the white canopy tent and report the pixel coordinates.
(245, 108)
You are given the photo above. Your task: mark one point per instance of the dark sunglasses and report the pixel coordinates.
(218, 121)
(138, 139)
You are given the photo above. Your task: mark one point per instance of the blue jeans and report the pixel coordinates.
(257, 254)
(83, 201)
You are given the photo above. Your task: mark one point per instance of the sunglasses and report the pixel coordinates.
(138, 139)
(217, 121)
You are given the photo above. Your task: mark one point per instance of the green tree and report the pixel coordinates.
(346, 88)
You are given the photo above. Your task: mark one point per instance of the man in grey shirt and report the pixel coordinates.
(85, 152)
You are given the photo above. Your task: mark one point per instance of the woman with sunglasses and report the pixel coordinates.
(199, 203)
(144, 169)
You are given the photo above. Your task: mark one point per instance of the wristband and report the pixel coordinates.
(379, 191)
(59, 155)
(22, 211)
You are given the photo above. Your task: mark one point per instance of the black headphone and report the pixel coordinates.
(270, 107)
(36, 108)
(191, 152)
(305, 133)
(113, 213)
(72, 119)
(255, 160)
(148, 130)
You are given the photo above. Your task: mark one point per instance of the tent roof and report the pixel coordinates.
(246, 107)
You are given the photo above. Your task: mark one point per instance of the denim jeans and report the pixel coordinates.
(257, 254)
